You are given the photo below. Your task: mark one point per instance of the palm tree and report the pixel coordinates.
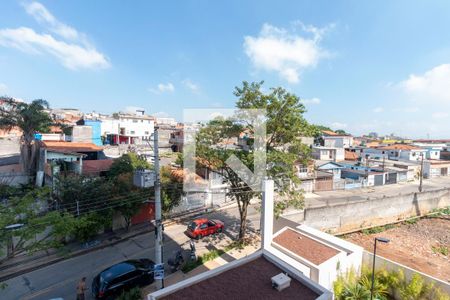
(30, 118)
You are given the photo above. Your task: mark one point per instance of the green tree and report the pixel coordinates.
(39, 230)
(285, 125)
(128, 163)
(171, 190)
(30, 118)
(341, 131)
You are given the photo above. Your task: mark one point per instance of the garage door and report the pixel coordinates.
(379, 179)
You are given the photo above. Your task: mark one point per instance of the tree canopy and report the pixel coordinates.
(30, 118)
(285, 125)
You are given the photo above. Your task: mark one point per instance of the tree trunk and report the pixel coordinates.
(243, 222)
(28, 155)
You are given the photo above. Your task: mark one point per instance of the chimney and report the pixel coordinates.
(267, 214)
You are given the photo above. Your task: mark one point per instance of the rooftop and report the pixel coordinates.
(71, 147)
(304, 246)
(251, 280)
(95, 166)
(400, 147)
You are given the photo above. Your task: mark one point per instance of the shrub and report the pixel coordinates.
(133, 294)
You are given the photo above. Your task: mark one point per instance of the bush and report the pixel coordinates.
(388, 285)
(133, 294)
(88, 226)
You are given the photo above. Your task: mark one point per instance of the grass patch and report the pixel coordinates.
(213, 254)
(411, 221)
(377, 229)
(440, 249)
(440, 212)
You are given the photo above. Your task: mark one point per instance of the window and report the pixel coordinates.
(132, 132)
(203, 226)
(211, 224)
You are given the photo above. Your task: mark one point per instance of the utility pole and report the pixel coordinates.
(158, 221)
(421, 173)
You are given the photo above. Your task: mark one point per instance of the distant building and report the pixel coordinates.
(328, 153)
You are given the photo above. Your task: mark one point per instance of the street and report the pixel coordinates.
(59, 280)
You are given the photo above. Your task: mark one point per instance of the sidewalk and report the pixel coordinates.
(228, 257)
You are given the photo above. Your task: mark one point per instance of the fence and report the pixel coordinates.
(210, 198)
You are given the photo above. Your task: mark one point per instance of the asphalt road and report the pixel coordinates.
(59, 280)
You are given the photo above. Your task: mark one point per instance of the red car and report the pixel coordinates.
(203, 227)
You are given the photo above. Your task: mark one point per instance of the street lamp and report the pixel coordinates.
(382, 240)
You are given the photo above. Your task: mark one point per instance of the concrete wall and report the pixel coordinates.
(384, 263)
(355, 215)
(14, 178)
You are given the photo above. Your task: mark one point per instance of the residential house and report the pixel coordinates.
(78, 158)
(367, 176)
(135, 128)
(396, 152)
(333, 168)
(95, 135)
(436, 168)
(338, 141)
(328, 153)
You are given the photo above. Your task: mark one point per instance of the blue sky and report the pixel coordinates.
(361, 67)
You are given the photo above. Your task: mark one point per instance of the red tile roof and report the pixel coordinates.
(96, 166)
(71, 147)
(328, 132)
(305, 246)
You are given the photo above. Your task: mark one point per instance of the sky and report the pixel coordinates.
(378, 66)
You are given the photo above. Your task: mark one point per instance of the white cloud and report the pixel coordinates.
(439, 115)
(407, 109)
(163, 87)
(3, 87)
(311, 101)
(44, 17)
(378, 109)
(287, 53)
(338, 125)
(73, 51)
(432, 86)
(190, 85)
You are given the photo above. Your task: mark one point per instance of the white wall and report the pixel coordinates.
(338, 141)
(136, 127)
(109, 126)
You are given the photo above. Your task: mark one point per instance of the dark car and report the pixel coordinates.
(203, 227)
(122, 276)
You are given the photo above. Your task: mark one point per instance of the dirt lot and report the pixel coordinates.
(419, 245)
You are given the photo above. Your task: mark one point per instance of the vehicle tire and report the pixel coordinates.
(198, 237)
(219, 230)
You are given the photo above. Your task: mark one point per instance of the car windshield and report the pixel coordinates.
(192, 226)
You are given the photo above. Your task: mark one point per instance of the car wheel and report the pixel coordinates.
(219, 230)
(198, 236)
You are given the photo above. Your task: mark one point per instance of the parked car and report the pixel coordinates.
(122, 276)
(203, 227)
